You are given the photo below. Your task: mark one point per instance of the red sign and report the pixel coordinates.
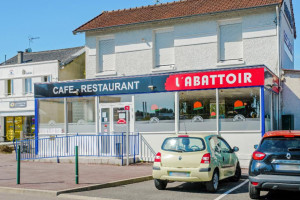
(216, 79)
(127, 107)
(121, 121)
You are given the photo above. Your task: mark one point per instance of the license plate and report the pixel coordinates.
(287, 167)
(179, 174)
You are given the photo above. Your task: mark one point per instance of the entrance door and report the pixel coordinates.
(113, 123)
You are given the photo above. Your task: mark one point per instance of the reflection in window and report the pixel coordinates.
(239, 109)
(51, 116)
(268, 104)
(155, 112)
(81, 115)
(197, 110)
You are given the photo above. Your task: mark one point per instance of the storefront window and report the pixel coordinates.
(268, 107)
(51, 116)
(81, 115)
(197, 110)
(239, 109)
(155, 112)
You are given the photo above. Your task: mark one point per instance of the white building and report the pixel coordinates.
(204, 38)
(17, 78)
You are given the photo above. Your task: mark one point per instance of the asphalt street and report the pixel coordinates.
(191, 191)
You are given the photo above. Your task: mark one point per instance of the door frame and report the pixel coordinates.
(111, 106)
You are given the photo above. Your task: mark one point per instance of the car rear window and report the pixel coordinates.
(280, 144)
(183, 144)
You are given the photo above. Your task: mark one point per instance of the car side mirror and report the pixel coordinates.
(256, 146)
(235, 149)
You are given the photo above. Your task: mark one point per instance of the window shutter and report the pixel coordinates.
(106, 55)
(164, 49)
(231, 47)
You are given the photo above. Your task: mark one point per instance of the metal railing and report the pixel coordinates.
(88, 145)
(147, 153)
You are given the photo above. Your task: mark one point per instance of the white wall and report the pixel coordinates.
(196, 45)
(18, 73)
(291, 96)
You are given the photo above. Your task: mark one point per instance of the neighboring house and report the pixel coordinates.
(291, 99)
(17, 78)
(142, 56)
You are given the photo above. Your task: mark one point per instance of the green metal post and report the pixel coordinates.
(18, 165)
(76, 165)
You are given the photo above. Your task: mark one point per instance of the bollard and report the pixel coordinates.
(76, 165)
(18, 164)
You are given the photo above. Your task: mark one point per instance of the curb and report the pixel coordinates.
(64, 193)
(106, 185)
(27, 191)
(77, 197)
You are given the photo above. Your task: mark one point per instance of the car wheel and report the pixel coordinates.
(160, 184)
(212, 186)
(254, 193)
(237, 174)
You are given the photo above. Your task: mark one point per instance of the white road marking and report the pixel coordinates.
(231, 190)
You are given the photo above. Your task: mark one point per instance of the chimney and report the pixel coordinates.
(20, 57)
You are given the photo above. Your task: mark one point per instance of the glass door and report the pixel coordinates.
(113, 123)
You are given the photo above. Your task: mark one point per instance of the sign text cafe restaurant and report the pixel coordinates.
(240, 104)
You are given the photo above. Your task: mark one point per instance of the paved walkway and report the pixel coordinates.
(61, 176)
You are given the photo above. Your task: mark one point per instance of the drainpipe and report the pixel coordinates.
(279, 65)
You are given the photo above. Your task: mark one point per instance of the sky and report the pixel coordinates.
(52, 21)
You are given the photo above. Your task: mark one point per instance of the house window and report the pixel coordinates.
(46, 79)
(231, 43)
(164, 48)
(106, 55)
(28, 85)
(10, 87)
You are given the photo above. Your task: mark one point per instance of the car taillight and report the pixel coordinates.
(158, 157)
(258, 155)
(254, 183)
(206, 159)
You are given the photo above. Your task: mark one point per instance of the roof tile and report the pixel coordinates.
(168, 11)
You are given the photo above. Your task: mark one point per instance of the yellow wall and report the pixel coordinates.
(73, 70)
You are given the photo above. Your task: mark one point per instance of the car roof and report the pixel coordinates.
(202, 135)
(282, 133)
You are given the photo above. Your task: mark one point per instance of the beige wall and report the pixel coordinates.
(73, 70)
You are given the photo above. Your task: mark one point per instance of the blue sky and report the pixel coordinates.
(54, 20)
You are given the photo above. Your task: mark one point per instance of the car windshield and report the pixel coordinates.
(280, 144)
(183, 144)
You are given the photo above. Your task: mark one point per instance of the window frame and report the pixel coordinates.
(26, 85)
(98, 70)
(223, 23)
(156, 67)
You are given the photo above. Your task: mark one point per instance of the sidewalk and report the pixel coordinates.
(61, 176)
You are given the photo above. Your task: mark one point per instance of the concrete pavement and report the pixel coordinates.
(61, 176)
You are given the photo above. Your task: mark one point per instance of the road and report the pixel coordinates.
(179, 191)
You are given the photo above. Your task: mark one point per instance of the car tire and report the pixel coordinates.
(254, 193)
(212, 186)
(160, 184)
(237, 174)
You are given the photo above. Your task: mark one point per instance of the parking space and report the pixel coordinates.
(174, 191)
(179, 191)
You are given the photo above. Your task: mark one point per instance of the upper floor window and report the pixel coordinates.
(231, 43)
(164, 48)
(28, 85)
(46, 79)
(10, 87)
(106, 55)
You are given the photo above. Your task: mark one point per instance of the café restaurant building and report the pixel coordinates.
(240, 104)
